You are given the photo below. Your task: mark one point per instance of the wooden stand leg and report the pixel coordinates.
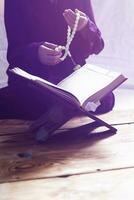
(50, 122)
(99, 121)
(56, 117)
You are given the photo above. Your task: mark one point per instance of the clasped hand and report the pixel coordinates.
(48, 53)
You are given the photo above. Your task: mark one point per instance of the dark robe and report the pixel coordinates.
(30, 23)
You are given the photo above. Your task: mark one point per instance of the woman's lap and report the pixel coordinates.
(17, 103)
(28, 104)
(107, 104)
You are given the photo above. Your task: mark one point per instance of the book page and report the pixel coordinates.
(54, 88)
(88, 80)
(30, 76)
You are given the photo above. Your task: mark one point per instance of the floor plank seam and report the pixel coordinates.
(121, 124)
(69, 175)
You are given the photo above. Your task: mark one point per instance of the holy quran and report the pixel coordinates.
(84, 88)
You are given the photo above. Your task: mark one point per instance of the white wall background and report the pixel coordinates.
(3, 47)
(116, 22)
(115, 19)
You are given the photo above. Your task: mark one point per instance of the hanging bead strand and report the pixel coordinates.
(70, 37)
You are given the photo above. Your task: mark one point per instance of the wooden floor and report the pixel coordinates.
(72, 164)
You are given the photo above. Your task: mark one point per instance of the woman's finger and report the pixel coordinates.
(49, 51)
(70, 17)
(50, 45)
(81, 13)
(52, 60)
(70, 13)
(48, 56)
(57, 51)
(69, 21)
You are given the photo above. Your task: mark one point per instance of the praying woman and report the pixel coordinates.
(36, 29)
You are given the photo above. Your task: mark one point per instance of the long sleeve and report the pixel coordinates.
(22, 51)
(87, 41)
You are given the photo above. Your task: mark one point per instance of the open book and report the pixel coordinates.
(84, 88)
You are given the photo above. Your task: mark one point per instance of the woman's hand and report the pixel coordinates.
(70, 17)
(49, 54)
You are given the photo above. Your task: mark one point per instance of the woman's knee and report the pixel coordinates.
(107, 104)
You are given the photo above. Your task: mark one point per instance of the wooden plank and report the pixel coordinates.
(117, 185)
(13, 126)
(67, 154)
(118, 117)
(115, 117)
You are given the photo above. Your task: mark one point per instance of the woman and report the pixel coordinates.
(34, 29)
